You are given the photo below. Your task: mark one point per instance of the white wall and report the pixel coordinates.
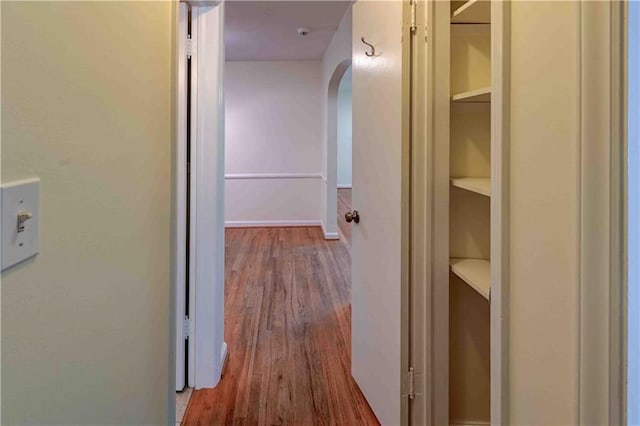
(85, 324)
(335, 62)
(273, 148)
(633, 214)
(344, 131)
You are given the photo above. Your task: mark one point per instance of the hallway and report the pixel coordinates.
(287, 324)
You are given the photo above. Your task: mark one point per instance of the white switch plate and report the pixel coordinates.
(17, 197)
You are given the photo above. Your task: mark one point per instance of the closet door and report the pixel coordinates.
(377, 196)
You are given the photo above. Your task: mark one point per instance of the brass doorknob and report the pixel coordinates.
(353, 216)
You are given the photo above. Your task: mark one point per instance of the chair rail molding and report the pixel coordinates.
(234, 176)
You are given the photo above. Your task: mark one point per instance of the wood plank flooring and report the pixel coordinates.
(287, 325)
(344, 205)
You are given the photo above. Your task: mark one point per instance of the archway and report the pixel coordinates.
(331, 154)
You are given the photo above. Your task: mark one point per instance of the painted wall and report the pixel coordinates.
(344, 131)
(544, 226)
(335, 61)
(85, 324)
(633, 214)
(273, 127)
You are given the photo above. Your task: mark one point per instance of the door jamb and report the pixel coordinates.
(603, 214)
(207, 349)
(500, 182)
(420, 219)
(207, 171)
(437, 68)
(179, 269)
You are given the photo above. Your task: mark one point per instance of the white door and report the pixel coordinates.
(377, 196)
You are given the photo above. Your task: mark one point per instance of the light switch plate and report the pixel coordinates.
(20, 197)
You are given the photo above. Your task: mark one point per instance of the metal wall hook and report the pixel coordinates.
(373, 49)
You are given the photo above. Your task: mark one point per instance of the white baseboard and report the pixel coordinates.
(270, 223)
(329, 235)
(345, 186)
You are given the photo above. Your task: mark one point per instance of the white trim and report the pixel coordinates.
(618, 277)
(437, 191)
(500, 189)
(202, 3)
(180, 200)
(329, 235)
(273, 176)
(191, 355)
(271, 223)
(623, 201)
(602, 234)
(207, 171)
(345, 186)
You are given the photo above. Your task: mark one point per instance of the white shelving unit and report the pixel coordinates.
(477, 185)
(472, 12)
(475, 272)
(482, 95)
(470, 201)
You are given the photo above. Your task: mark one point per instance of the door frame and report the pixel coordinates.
(603, 231)
(180, 180)
(210, 349)
(430, 168)
(207, 349)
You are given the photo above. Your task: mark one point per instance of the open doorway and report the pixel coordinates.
(316, 328)
(287, 316)
(345, 153)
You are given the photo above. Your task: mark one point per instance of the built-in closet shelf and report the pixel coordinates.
(473, 12)
(478, 185)
(475, 96)
(475, 272)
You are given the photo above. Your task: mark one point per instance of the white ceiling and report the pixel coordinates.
(268, 30)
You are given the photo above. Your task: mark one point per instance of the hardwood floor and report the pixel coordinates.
(287, 325)
(344, 205)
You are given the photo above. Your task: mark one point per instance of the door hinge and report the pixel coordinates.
(413, 26)
(411, 383)
(189, 46)
(186, 332)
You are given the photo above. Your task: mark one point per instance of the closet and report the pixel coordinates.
(470, 175)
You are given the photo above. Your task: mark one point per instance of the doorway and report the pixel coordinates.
(344, 157)
(289, 303)
(287, 288)
(199, 225)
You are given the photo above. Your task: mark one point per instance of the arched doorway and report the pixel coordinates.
(331, 154)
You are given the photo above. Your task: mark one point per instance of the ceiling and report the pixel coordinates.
(268, 30)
